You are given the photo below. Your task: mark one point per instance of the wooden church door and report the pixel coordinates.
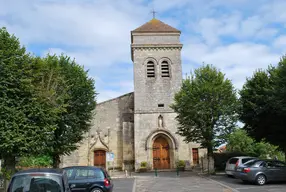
(161, 154)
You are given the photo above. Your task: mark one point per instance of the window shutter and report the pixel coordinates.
(165, 72)
(150, 69)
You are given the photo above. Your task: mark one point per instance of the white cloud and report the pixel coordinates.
(102, 28)
(238, 60)
(237, 36)
(280, 41)
(124, 87)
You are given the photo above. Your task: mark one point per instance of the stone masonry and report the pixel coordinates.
(129, 124)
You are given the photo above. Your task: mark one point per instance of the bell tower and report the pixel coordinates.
(156, 56)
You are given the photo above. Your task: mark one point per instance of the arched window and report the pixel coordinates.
(150, 69)
(165, 70)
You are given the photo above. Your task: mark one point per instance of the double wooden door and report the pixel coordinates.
(161, 154)
(99, 158)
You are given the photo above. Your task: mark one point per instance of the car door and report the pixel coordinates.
(281, 170)
(273, 172)
(79, 183)
(96, 177)
(66, 183)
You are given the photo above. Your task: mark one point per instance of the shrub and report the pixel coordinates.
(181, 163)
(143, 164)
(35, 161)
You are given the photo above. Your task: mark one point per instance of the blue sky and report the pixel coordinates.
(237, 36)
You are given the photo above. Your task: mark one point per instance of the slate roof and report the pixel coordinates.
(154, 26)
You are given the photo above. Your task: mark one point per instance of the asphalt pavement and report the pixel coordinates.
(123, 185)
(189, 181)
(238, 186)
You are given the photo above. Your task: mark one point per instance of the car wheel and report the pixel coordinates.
(260, 179)
(96, 190)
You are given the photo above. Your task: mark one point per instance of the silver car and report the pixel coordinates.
(233, 162)
(261, 171)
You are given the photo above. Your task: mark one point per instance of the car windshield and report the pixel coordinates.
(36, 183)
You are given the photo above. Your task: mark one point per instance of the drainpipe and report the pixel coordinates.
(88, 148)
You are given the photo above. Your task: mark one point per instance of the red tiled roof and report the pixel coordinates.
(154, 26)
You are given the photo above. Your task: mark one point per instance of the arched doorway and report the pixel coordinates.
(161, 153)
(99, 158)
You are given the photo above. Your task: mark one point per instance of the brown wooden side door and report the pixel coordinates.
(100, 158)
(195, 152)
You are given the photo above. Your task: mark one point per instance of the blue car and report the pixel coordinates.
(88, 179)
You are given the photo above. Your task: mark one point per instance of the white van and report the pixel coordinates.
(234, 162)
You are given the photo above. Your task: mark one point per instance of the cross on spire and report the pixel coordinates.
(154, 13)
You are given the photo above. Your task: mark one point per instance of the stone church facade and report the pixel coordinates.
(140, 126)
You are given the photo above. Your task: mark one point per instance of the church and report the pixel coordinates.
(140, 126)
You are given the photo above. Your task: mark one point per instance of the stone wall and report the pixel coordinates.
(147, 129)
(113, 121)
(155, 38)
(149, 92)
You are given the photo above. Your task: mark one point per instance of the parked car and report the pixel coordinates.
(261, 171)
(39, 180)
(88, 179)
(233, 162)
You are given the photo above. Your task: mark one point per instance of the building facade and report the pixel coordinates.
(140, 126)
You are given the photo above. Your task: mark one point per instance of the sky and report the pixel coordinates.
(236, 36)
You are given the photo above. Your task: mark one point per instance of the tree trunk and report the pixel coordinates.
(209, 155)
(56, 161)
(9, 169)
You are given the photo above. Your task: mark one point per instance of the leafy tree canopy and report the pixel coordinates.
(68, 85)
(207, 107)
(26, 120)
(263, 104)
(46, 103)
(239, 141)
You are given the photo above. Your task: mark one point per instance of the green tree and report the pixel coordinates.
(265, 150)
(76, 94)
(207, 107)
(239, 141)
(26, 120)
(263, 104)
(35, 161)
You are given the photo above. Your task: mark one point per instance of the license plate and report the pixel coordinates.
(239, 169)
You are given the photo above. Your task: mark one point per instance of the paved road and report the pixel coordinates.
(190, 182)
(123, 185)
(238, 185)
(169, 182)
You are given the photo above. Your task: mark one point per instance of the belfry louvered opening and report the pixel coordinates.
(150, 69)
(165, 70)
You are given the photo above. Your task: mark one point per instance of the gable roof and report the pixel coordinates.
(154, 26)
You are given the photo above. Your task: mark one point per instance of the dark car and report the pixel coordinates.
(88, 179)
(261, 171)
(39, 180)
